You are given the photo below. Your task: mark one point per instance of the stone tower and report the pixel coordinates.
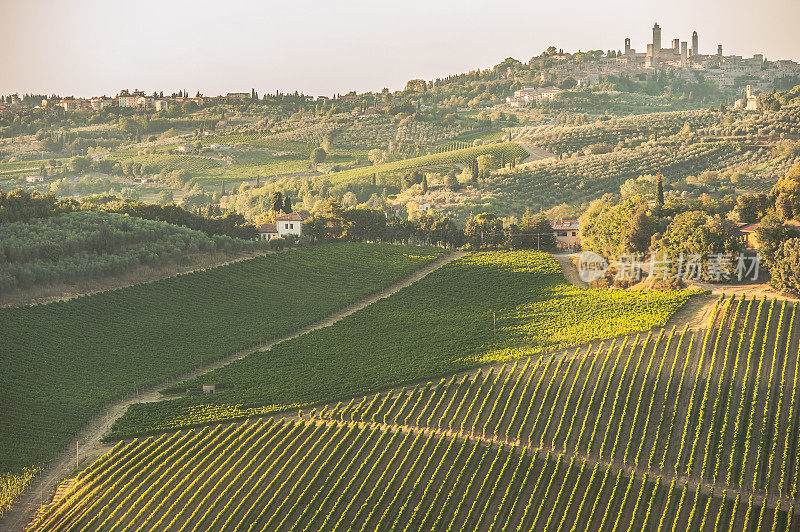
(676, 46)
(695, 41)
(656, 38)
(684, 53)
(719, 50)
(627, 46)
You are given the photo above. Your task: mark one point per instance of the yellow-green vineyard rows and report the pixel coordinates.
(595, 439)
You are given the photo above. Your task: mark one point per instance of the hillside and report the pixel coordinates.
(65, 361)
(91, 246)
(672, 430)
(440, 324)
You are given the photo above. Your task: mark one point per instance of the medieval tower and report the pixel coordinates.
(656, 39)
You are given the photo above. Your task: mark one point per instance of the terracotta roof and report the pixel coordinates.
(268, 228)
(291, 217)
(748, 228)
(563, 225)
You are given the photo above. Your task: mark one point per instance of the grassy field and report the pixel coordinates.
(62, 362)
(671, 430)
(440, 324)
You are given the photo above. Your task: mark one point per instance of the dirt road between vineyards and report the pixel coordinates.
(570, 270)
(90, 446)
(534, 153)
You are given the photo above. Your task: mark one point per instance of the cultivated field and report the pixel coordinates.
(437, 326)
(64, 361)
(671, 430)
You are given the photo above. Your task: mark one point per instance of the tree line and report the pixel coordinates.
(20, 205)
(482, 231)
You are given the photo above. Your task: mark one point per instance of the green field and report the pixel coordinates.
(440, 324)
(63, 361)
(669, 430)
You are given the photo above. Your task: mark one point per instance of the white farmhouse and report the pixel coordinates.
(290, 224)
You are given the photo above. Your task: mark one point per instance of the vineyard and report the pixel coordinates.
(440, 324)
(630, 130)
(63, 361)
(156, 163)
(668, 430)
(552, 182)
(462, 156)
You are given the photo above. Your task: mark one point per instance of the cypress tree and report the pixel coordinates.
(659, 190)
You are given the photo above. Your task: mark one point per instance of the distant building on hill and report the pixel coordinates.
(749, 102)
(72, 105)
(568, 234)
(127, 99)
(285, 224)
(528, 95)
(101, 103)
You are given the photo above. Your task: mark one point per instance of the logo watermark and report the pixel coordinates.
(716, 267)
(591, 266)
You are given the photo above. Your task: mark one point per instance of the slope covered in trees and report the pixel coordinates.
(90, 245)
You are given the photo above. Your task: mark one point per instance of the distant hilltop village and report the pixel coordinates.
(733, 75)
(729, 72)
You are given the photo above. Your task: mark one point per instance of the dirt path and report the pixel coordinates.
(569, 269)
(534, 153)
(696, 313)
(89, 446)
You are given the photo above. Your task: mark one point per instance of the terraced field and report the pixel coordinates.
(649, 432)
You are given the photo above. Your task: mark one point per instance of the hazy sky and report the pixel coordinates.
(92, 47)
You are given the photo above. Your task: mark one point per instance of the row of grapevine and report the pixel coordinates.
(664, 401)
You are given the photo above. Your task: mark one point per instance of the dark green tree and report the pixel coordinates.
(276, 203)
(659, 191)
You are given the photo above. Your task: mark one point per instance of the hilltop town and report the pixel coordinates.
(555, 68)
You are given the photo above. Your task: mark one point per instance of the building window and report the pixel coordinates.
(562, 233)
(291, 226)
(574, 233)
(287, 226)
